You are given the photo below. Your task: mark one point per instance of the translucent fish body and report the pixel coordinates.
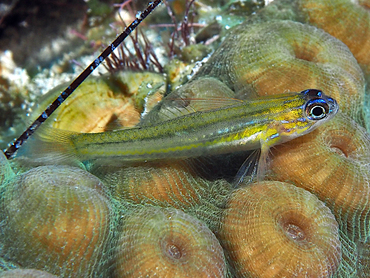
(243, 125)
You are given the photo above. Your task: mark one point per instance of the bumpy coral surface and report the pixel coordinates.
(281, 56)
(333, 163)
(309, 218)
(26, 273)
(296, 235)
(167, 243)
(346, 20)
(57, 219)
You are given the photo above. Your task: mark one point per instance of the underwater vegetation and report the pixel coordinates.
(303, 208)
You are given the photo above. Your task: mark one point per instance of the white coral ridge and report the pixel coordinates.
(8, 70)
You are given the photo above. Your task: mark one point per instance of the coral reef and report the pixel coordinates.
(349, 263)
(26, 273)
(101, 104)
(166, 184)
(182, 218)
(281, 56)
(177, 184)
(167, 243)
(12, 95)
(274, 229)
(6, 171)
(349, 21)
(332, 162)
(363, 258)
(29, 26)
(56, 219)
(6, 265)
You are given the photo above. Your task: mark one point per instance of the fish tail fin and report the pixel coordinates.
(49, 145)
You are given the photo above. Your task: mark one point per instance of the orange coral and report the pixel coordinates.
(274, 229)
(56, 220)
(279, 56)
(167, 243)
(333, 163)
(174, 184)
(346, 20)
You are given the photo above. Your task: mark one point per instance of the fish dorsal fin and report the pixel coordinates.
(203, 94)
(212, 103)
(171, 108)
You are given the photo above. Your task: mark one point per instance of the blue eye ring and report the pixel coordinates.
(312, 93)
(316, 109)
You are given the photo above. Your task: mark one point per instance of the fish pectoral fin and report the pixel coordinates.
(262, 163)
(167, 109)
(249, 169)
(254, 167)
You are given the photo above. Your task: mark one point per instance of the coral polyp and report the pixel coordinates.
(178, 184)
(274, 229)
(346, 20)
(332, 162)
(101, 104)
(26, 273)
(307, 215)
(93, 107)
(280, 56)
(363, 265)
(167, 243)
(56, 219)
(174, 184)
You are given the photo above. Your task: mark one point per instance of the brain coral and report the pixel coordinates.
(56, 218)
(167, 243)
(333, 163)
(274, 229)
(275, 57)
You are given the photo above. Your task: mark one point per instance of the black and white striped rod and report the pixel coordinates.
(12, 149)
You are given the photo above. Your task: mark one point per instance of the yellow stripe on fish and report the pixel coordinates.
(247, 125)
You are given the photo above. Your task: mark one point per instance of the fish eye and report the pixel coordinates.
(317, 109)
